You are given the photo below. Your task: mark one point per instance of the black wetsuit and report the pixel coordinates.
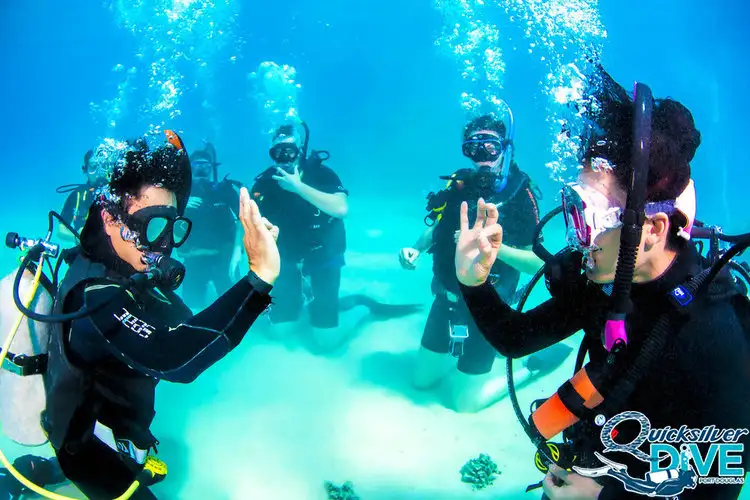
(77, 205)
(103, 369)
(519, 216)
(214, 228)
(311, 243)
(702, 377)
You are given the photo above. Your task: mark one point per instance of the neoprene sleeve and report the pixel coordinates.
(177, 352)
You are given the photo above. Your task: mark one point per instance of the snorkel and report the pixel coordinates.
(504, 173)
(306, 143)
(615, 334)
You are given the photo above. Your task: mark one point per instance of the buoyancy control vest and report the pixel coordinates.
(573, 407)
(80, 395)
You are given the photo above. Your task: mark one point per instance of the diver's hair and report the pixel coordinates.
(285, 130)
(485, 122)
(674, 141)
(140, 168)
(167, 167)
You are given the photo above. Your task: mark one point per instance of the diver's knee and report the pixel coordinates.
(430, 368)
(466, 392)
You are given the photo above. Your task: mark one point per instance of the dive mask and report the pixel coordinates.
(588, 213)
(98, 166)
(156, 229)
(284, 152)
(202, 169)
(483, 148)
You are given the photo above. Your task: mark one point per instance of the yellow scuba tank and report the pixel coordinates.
(22, 398)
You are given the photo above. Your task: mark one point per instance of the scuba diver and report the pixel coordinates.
(81, 196)
(213, 251)
(308, 202)
(449, 332)
(122, 328)
(665, 336)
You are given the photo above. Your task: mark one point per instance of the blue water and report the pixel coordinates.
(385, 101)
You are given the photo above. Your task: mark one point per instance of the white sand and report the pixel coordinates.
(274, 422)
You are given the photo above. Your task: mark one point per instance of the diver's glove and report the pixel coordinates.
(38, 470)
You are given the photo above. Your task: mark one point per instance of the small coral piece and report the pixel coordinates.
(479, 472)
(343, 492)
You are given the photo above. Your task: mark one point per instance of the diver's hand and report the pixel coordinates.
(194, 202)
(288, 182)
(259, 240)
(408, 258)
(477, 247)
(560, 484)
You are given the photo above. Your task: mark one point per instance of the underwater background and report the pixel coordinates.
(386, 88)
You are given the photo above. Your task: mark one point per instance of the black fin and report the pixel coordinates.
(378, 309)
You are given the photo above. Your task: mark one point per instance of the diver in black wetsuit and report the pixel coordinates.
(103, 368)
(699, 376)
(210, 253)
(308, 202)
(451, 348)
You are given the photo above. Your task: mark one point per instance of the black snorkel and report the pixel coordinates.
(307, 158)
(615, 335)
(306, 143)
(555, 266)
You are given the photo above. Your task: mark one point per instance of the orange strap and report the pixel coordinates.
(553, 417)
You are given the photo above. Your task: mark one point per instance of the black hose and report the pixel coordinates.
(738, 248)
(305, 144)
(537, 247)
(742, 272)
(54, 215)
(68, 188)
(33, 254)
(634, 215)
(702, 231)
(535, 437)
(546, 257)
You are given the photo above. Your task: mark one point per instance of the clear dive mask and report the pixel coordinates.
(157, 229)
(588, 213)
